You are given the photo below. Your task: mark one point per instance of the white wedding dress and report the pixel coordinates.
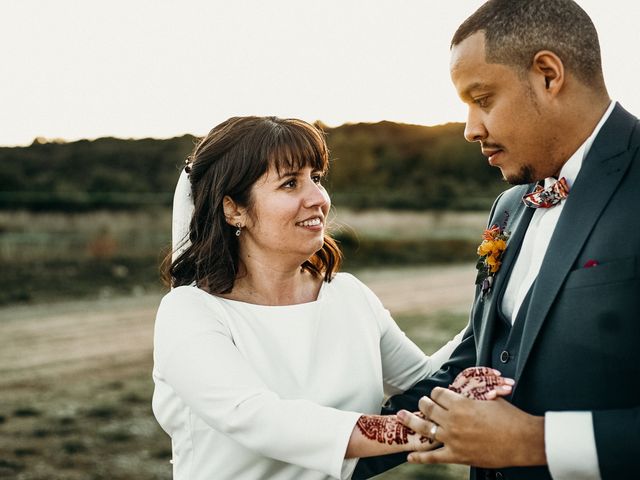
(273, 392)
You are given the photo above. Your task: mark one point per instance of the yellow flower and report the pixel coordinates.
(485, 248)
(494, 243)
(498, 247)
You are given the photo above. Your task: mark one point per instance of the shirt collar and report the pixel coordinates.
(572, 167)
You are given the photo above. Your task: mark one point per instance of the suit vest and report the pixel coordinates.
(506, 342)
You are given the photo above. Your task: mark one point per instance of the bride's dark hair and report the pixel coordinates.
(228, 161)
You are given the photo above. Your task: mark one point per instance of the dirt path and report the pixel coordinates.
(75, 378)
(423, 289)
(47, 343)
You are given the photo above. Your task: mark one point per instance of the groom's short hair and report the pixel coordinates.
(515, 30)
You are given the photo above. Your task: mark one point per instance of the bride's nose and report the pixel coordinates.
(315, 195)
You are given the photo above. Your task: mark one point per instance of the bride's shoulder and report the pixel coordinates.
(183, 292)
(345, 279)
(187, 298)
(349, 284)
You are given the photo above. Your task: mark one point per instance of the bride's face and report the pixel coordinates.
(287, 215)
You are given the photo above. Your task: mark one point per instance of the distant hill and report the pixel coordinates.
(381, 165)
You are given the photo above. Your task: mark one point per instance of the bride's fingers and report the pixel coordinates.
(475, 375)
(441, 455)
(428, 446)
(501, 391)
(482, 383)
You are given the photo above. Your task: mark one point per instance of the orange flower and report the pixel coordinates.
(485, 248)
(498, 247)
(491, 233)
(494, 243)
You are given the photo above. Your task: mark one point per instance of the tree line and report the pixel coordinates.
(381, 165)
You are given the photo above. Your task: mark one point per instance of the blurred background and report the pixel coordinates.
(81, 241)
(95, 101)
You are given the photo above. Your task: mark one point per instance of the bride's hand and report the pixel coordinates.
(419, 442)
(482, 383)
(476, 383)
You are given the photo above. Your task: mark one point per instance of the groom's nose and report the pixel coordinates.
(474, 130)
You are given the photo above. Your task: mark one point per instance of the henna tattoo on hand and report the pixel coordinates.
(384, 429)
(422, 438)
(476, 382)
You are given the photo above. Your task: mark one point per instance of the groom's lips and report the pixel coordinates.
(492, 155)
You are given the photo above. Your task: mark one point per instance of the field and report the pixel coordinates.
(56, 256)
(75, 381)
(80, 293)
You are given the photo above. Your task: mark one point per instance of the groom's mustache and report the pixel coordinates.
(491, 146)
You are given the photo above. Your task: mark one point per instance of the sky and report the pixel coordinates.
(74, 69)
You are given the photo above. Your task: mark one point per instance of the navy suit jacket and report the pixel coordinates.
(581, 335)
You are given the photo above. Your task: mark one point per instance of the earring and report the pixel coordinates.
(239, 230)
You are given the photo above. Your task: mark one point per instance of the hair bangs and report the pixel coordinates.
(296, 146)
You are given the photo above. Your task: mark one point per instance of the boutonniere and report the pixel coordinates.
(494, 243)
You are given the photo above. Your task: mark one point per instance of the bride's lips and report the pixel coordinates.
(314, 223)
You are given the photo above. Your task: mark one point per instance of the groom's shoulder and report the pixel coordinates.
(509, 200)
(513, 195)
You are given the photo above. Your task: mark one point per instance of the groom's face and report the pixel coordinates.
(505, 113)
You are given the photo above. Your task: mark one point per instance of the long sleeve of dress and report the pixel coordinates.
(403, 363)
(195, 354)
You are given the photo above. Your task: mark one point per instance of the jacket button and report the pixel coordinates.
(504, 356)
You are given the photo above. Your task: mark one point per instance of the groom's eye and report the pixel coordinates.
(482, 102)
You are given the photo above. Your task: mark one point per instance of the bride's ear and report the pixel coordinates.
(234, 214)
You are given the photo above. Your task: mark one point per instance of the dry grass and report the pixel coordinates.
(56, 256)
(31, 236)
(407, 225)
(103, 234)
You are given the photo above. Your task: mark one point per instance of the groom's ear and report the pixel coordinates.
(234, 214)
(548, 68)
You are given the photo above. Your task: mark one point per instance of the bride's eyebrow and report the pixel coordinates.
(288, 173)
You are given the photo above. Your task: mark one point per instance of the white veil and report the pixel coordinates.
(182, 212)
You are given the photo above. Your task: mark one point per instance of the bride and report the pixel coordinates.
(268, 362)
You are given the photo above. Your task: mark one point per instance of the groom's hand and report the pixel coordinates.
(489, 434)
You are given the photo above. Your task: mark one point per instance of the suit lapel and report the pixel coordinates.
(600, 174)
(519, 218)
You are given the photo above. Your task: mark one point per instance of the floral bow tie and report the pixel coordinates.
(547, 197)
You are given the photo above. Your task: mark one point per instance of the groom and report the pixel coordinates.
(560, 309)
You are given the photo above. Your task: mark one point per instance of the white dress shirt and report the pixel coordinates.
(273, 392)
(570, 443)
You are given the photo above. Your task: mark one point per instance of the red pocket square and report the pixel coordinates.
(591, 263)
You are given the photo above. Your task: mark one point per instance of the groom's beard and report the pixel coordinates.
(523, 177)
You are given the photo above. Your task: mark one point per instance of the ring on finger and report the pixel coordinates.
(432, 432)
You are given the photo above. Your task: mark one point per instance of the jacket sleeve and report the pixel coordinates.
(617, 434)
